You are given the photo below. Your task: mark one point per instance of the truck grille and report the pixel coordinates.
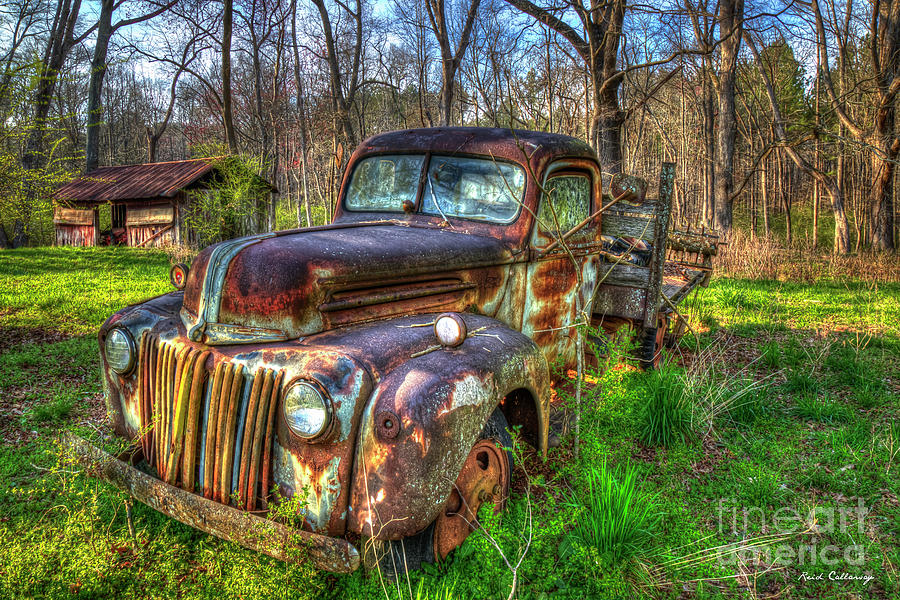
(209, 433)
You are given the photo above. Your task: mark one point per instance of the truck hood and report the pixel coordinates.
(291, 284)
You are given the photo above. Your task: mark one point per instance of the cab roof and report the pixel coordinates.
(509, 144)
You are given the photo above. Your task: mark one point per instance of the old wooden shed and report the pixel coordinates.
(148, 203)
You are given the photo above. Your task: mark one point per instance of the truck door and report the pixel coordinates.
(570, 195)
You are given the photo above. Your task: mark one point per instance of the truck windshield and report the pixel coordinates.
(384, 182)
(470, 188)
(473, 188)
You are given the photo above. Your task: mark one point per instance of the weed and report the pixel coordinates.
(871, 394)
(666, 418)
(56, 409)
(760, 485)
(770, 354)
(750, 406)
(823, 409)
(618, 519)
(801, 382)
(792, 354)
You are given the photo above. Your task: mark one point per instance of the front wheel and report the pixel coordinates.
(484, 477)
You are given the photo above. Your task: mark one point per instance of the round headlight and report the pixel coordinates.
(450, 329)
(120, 350)
(305, 410)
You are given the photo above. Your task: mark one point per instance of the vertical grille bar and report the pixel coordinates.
(270, 440)
(247, 437)
(212, 427)
(226, 454)
(180, 407)
(152, 373)
(192, 429)
(143, 391)
(224, 398)
(257, 438)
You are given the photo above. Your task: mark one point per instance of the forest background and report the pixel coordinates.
(780, 116)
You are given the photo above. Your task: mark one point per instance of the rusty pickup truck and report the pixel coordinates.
(362, 376)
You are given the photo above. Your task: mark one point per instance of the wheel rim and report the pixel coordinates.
(483, 478)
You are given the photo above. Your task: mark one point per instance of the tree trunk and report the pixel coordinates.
(708, 109)
(607, 127)
(152, 145)
(95, 87)
(731, 26)
(882, 190)
(227, 111)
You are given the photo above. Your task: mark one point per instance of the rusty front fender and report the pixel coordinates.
(424, 417)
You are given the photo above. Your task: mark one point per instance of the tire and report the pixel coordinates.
(395, 558)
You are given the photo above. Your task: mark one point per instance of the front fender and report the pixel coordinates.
(425, 415)
(121, 390)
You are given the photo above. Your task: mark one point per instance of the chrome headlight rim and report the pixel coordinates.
(326, 403)
(132, 350)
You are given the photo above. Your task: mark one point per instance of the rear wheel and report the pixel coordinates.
(484, 477)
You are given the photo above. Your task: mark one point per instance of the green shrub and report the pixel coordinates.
(618, 519)
(666, 418)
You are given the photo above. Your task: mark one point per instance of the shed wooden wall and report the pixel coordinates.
(76, 227)
(152, 224)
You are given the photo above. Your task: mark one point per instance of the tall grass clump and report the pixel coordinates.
(618, 519)
(666, 418)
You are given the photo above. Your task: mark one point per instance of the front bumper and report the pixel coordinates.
(248, 530)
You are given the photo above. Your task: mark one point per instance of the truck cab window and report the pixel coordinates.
(570, 197)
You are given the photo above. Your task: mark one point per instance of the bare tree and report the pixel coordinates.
(344, 86)
(105, 30)
(883, 41)
(450, 57)
(828, 182)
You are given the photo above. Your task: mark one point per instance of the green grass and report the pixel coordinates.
(73, 290)
(666, 418)
(817, 430)
(616, 519)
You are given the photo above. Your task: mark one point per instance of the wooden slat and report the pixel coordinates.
(658, 258)
(647, 207)
(616, 225)
(150, 215)
(625, 274)
(73, 216)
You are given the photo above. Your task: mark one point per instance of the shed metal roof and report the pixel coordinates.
(132, 182)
